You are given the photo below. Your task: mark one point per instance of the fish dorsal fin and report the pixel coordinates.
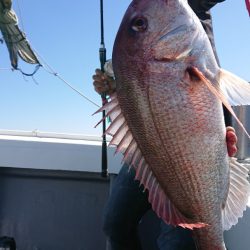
(239, 190)
(235, 89)
(126, 144)
(221, 93)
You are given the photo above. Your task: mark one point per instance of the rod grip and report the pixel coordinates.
(102, 55)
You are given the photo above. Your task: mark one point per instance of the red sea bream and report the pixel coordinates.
(167, 119)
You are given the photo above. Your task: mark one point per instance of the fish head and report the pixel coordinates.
(158, 30)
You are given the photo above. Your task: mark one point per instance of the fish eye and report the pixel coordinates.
(139, 24)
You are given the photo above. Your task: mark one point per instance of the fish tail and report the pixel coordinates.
(204, 242)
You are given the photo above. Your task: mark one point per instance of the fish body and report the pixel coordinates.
(169, 123)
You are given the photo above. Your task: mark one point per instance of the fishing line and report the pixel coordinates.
(30, 74)
(47, 67)
(6, 69)
(24, 78)
(51, 71)
(23, 74)
(34, 80)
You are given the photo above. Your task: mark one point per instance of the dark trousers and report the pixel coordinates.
(126, 206)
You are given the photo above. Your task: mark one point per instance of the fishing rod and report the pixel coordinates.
(102, 56)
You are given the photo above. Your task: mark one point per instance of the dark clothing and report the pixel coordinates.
(125, 208)
(128, 203)
(175, 238)
(201, 6)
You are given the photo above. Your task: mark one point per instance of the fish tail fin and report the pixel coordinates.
(239, 191)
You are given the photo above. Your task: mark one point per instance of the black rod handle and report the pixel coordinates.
(102, 57)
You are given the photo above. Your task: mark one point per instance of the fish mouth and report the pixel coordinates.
(164, 60)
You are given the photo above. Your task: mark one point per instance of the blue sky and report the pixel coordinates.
(67, 36)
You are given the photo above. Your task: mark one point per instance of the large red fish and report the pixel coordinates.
(167, 119)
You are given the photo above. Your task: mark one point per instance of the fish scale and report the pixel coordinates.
(171, 175)
(167, 119)
(171, 143)
(168, 171)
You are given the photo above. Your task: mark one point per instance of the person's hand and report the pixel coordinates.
(231, 140)
(103, 83)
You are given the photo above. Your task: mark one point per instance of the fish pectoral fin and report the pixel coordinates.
(226, 94)
(235, 89)
(239, 191)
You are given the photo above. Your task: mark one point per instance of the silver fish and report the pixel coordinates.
(167, 119)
